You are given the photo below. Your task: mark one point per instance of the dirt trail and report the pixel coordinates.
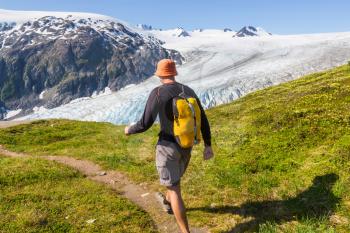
(5, 124)
(139, 195)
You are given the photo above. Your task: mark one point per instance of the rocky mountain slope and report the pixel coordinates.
(51, 60)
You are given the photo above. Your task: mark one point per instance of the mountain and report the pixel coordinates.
(179, 32)
(163, 34)
(51, 58)
(251, 31)
(144, 27)
(220, 68)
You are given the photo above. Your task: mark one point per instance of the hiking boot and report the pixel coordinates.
(165, 204)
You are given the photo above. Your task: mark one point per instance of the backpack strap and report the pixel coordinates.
(182, 94)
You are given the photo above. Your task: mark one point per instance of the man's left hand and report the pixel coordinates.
(208, 153)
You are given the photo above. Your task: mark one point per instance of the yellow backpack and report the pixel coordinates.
(187, 120)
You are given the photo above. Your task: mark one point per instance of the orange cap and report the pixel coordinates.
(166, 68)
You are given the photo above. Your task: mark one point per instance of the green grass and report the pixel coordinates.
(282, 157)
(99, 142)
(42, 196)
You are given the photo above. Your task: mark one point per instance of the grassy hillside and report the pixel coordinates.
(41, 196)
(282, 157)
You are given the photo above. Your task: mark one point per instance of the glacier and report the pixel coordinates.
(219, 67)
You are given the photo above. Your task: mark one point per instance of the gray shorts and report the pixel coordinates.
(171, 162)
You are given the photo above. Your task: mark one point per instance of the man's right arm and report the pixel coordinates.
(149, 115)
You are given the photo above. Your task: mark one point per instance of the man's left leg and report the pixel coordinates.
(178, 206)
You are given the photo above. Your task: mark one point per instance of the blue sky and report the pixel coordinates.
(276, 16)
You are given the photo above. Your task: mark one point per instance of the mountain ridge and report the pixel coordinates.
(220, 69)
(219, 66)
(51, 60)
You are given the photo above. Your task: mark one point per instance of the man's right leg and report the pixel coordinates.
(178, 206)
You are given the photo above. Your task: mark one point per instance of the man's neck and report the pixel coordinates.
(168, 80)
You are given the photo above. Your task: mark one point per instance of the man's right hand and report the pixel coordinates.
(126, 130)
(208, 153)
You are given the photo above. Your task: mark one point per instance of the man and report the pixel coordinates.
(171, 159)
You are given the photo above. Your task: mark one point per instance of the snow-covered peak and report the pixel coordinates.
(228, 30)
(13, 18)
(50, 28)
(179, 32)
(176, 32)
(61, 25)
(197, 36)
(144, 27)
(24, 16)
(252, 31)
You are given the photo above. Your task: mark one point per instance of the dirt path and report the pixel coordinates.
(5, 124)
(139, 195)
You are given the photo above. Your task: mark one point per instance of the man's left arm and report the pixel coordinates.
(206, 134)
(149, 115)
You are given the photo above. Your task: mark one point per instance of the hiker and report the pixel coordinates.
(178, 107)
